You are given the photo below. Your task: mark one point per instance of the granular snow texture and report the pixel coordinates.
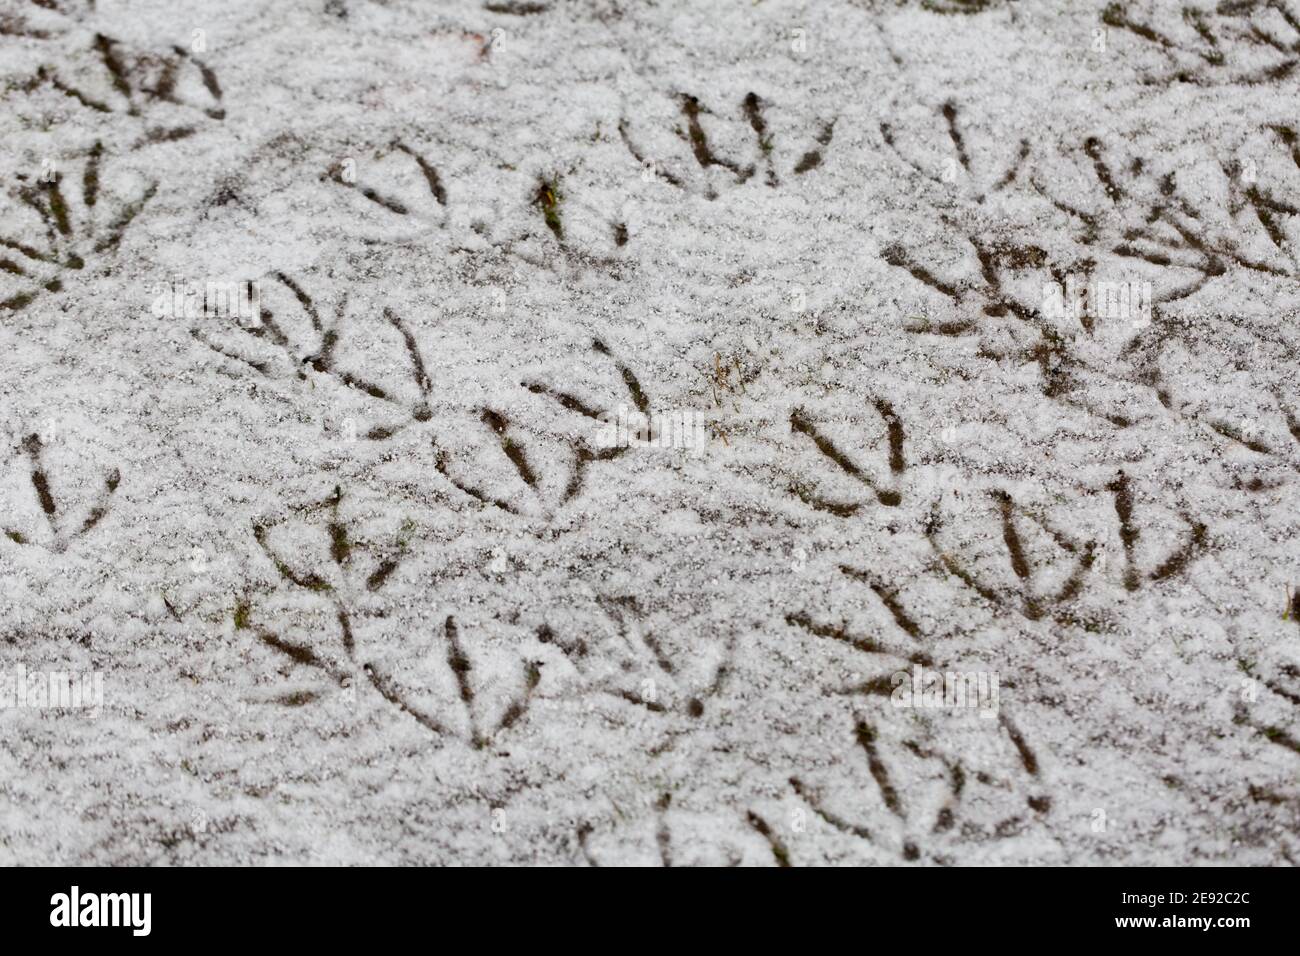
(365, 586)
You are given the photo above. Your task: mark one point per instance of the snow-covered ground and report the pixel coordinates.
(371, 574)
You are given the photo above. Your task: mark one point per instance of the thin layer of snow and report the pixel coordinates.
(436, 626)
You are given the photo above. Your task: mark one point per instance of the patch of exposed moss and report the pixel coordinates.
(548, 200)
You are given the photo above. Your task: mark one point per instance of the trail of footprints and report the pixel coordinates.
(269, 338)
(1143, 217)
(341, 661)
(1136, 213)
(867, 737)
(1209, 44)
(361, 566)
